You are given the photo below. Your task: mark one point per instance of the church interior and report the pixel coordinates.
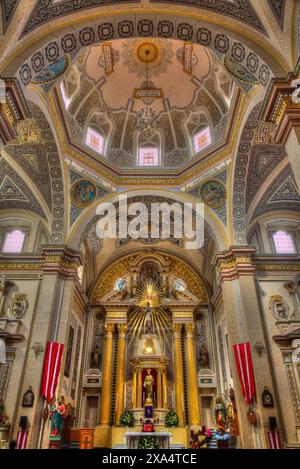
(140, 342)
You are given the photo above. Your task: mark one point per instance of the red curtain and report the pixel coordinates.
(243, 359)
(52, 367)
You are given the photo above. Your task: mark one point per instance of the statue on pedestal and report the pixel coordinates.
(148, 383)
(57, 414)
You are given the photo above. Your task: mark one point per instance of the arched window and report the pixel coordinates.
(284, 242)
(148, 156)
(94, 140)
(13, 241)
(202, 139)
(64, 95)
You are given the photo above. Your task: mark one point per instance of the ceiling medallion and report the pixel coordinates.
(213, 193)
(147, 52)
(146, 121)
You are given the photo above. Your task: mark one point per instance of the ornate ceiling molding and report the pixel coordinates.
(48, 10)
(240, 10)
(8, 9)
(240, 171)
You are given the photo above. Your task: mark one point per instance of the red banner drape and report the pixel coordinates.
(274, 439)
(243, 359)
(52, 367)
(22, 439)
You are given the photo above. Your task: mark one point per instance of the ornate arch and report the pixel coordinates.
(142, 25)
(85, 221)
(120, 267)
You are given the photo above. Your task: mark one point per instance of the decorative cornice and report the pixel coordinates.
(53, 259)
(125, 178)
(235, 262)
(279, 108)
(275, 263)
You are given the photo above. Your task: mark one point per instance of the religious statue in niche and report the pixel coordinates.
(57, 414)
(267, 398)
(148, 383)
(28, 398)
(18, 306)
(279, 307)
(148, 326)
(203, 357)
(96, 357)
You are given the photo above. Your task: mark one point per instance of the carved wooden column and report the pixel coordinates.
(107, 375)
(159, 393)
(178, 371)
(139, 389)
(122, 328)
(134, 389)
(194, 407)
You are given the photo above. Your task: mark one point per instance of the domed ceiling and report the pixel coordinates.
(185, 85)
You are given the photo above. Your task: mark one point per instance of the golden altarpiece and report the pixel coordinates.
(151, 342)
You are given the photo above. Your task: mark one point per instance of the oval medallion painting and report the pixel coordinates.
(83, 193)
(213, 193)
(239, 72)
(52, 72)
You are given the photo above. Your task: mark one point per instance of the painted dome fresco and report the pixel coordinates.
(147, 102)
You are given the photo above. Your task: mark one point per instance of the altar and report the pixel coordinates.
(162, 438)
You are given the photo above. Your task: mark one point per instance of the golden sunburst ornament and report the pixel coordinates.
(149, 316)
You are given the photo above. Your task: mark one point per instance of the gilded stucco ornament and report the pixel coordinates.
(18, 306)
(279, 307)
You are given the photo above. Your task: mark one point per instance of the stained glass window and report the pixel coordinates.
(202, 139)
(148, 157)
(94, 140)
(13, 241)
(283, 243)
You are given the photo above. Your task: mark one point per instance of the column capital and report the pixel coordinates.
(189, 330)
(177, 328)
(109, 329)
(122, 328)
(238, 260)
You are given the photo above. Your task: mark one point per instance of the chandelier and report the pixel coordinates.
(146, 121)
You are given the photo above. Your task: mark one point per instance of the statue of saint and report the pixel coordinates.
(57, 413)
(203, 357)
(148, 326)
(221, 416)
(148, 383)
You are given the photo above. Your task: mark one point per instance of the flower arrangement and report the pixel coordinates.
(127, 419)
(171, 419)
(148, 442)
